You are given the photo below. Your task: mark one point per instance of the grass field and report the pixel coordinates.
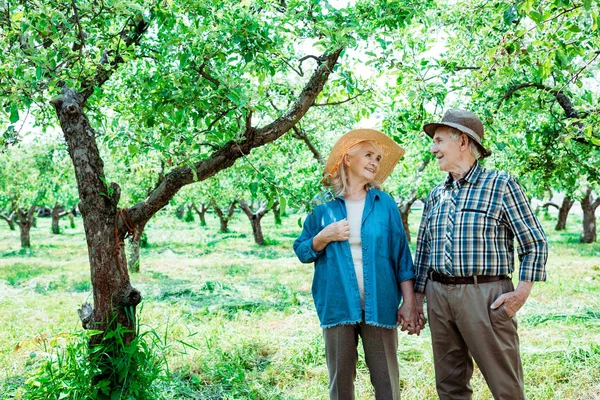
(247, 314)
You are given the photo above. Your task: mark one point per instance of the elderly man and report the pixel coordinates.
(464, 262)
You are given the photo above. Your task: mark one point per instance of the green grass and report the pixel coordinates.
(246, 314)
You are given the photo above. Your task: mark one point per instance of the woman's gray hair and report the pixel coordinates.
(473, 148)
(338, 181)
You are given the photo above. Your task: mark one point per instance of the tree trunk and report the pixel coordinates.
(25, 221)
(71, 220)
(25, 237)
(563, 212)
(201, 212)
(55, 219)
(589, 205)
(224, 218)
(114, 297)
(404, 209)
(180, 213)
(255, 218)
(10, 220)
(134, 255)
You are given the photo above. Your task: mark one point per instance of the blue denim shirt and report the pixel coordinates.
(386, 263)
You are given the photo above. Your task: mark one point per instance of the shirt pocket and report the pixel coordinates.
(476, 224)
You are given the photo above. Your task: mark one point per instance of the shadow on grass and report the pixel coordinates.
(217, 298)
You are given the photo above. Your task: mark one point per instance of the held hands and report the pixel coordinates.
(419, 298)
(407, 318)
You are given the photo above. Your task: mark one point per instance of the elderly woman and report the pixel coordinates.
(363, 266)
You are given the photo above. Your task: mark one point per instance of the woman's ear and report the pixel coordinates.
(346, 159)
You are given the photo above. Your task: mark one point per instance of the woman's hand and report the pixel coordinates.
(408, 314)
(334, 232)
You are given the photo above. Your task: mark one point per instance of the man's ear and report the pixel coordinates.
(464, 141)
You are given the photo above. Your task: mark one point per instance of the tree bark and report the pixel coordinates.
(114, 297)
(563, 213)
(10, 220)
(589, 205)
(201, 212)
(56, 216)
(25, 221)
(255, 218)
(404, 209)
(134, 255)
(404, 205)
(223, 217)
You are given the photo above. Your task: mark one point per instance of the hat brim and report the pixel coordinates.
(392, 152)
(430, 128)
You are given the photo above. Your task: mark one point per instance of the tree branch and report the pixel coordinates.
(131, 34)
(336, 103)
(300, 134)
(231, 151)
(205, 74)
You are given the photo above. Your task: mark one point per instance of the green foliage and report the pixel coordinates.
(74, 369)
(189, 215)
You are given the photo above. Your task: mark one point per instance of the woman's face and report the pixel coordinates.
(362, 163)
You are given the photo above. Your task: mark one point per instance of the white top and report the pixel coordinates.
(354, 209)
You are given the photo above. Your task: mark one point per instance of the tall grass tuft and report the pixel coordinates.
(68, 367)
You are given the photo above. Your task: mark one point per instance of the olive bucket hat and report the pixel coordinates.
(466, 122)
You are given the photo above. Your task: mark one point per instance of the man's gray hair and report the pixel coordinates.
(473, 148)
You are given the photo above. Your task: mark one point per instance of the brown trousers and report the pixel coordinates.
(463, 328)
(380, 345)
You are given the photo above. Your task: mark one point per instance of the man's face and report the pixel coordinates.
(445, 149)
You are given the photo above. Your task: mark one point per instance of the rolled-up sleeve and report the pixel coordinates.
(531, 239)
(303, 245)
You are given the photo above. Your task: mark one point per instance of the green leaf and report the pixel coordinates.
(133, 149)
(282, 204)
(510, 15)
(14, 113)
(300, 222)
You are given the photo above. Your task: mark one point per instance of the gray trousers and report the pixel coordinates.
(380, 346)
(463, 328)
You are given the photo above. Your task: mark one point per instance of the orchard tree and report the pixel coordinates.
(187, 79)
(59, 180)
(22, 187)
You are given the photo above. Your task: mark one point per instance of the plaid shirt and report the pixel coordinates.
(468, 228)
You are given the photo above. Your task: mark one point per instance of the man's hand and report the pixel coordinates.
(419, 298)
(513, 301)
(334, 232)
(407, 317)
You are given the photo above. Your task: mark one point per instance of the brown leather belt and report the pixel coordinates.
(464, 280)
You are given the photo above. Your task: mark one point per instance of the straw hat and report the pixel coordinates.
(466, 122)
(392, 152)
